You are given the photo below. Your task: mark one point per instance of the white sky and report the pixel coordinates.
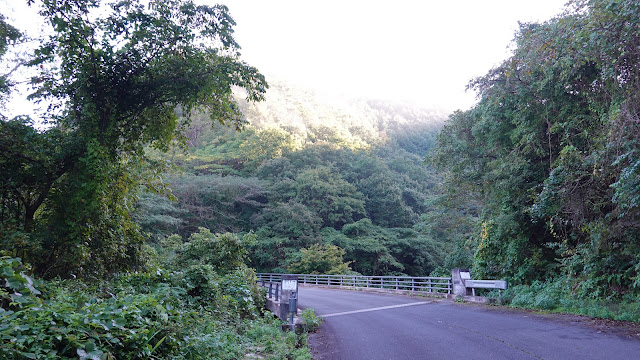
(422, 51)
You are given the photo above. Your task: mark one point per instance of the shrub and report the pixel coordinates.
(564, 295)
(139, 315)
(310, 318)
(224, 252)
(63, 327)
(544, 302)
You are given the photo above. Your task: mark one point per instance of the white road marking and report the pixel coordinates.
(376, 309)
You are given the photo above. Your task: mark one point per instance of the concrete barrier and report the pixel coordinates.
(464, 287)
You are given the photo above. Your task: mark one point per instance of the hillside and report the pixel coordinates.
(360, 122)
(308, 170)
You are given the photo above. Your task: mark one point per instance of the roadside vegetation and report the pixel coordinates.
(550, 158)
(188, 306)
(555, 296)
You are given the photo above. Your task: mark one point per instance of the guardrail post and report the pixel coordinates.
(293, 308)
(397, 283)
(277, 291)
(270, 289)
(413, 284)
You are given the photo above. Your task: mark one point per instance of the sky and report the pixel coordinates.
(421, 51)
(418, 51)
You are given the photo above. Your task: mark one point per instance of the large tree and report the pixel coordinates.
(8, 36)
(552, 152)
(119, 76)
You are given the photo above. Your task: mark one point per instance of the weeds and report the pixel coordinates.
(557, 296)
(311, 320)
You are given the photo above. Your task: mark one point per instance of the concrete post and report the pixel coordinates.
(458, 276)
(289, 286)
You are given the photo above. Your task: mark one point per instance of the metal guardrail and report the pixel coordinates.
(485, 284)
(273, 286)
(407, 283)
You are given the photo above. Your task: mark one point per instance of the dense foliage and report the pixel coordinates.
(309, 175)
(135, 88)
(121, 78)
(192, 307)
(551, 154)
(118, 77)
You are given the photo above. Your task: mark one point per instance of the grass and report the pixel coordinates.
(555, 296)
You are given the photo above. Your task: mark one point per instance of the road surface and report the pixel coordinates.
(360, 325)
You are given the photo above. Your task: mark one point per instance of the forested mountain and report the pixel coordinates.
(551, 154)
(310, 171)
(170, 169)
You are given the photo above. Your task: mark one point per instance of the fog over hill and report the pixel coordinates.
(308, 113)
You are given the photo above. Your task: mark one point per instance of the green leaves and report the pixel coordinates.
(320, 259)
(119, 80)
(550, 151)
(16, 287)
(8, 36)
(224, 252)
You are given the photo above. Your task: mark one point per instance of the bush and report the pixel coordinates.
(562, 295)
(310, 318)
(224, 252)
(544, 302)
(63, 327)
(524, 299)
(139, 315)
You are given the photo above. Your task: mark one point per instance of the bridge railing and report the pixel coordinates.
(274, 288)
(407, 283)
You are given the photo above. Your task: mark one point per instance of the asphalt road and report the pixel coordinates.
(359, 325)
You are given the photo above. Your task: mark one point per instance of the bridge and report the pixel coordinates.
(399, 325)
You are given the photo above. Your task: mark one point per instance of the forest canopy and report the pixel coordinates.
(551, 153)
(119, 77)
(138, 91)
(306, 176)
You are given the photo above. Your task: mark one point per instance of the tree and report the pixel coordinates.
(335, 200)
(320, 259)
(8, 35)
(551, 151)
(220, 203)
(225, 252)
(31, 163)
(283, 229)
(120, 80)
